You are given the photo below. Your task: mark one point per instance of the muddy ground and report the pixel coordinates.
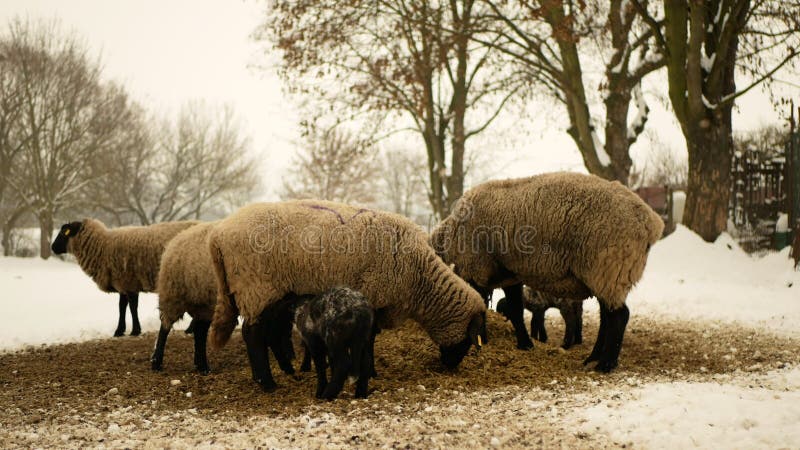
(102, 393)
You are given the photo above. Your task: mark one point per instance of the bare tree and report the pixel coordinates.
(67, 117)
(415, 58)
(662, 167)
(200, 164)
(705, 43)
(334, 166)
(404, 184)
(767, 141)
(559, 44)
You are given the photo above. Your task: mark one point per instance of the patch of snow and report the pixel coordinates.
(623, 7)
(707, 103)
(703, 415)
(602, 155)
(707, 62)
(689, 279)
(642, 111)
(782, 225)
(48, 302)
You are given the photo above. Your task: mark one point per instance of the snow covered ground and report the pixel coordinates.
(45, 302)
(691, 279)
(730, 413)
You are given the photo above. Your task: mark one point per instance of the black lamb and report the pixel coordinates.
(538, 302)
(336, 327)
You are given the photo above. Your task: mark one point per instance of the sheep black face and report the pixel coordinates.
(68, 230)
(452, 355)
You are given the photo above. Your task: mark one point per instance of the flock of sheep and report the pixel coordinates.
(339, 274)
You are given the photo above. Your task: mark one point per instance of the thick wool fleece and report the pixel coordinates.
(265, 251)
(125, 259)
(186, 282)
(567, 234)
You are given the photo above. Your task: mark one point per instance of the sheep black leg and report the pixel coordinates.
(133, 303)
(255, 338)
(572, 323)
(538, 331)
(514, 308)
(340, 367)
(157, 360)
(317, 350)
(200, 336)
(123, 306)
(617, 322)
(364, 370)
(306, 365)
(578, 323)
(600, 343)
(190, 328)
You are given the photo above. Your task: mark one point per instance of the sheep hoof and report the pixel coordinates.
(156, 367)
(203, 371)
(566, 346)
(268, 387)
(606, 366)
(525, 345)
(119, 332)
(296, 377)
(591, 358)
(136, 332)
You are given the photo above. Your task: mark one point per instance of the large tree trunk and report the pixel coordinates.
(46, 230)
(708, 192)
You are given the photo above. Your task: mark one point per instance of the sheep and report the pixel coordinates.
(566, 234)
(337, 326)
(124, 260)
(186, 283)
(538, 303)
(265, 251)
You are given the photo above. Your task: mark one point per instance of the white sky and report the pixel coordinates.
(170, 51)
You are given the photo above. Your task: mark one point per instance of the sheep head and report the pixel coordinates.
(452, 355)
(67, 232)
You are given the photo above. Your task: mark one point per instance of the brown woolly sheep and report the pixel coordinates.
(265, 251)
(186, 283)
(124, 260)
(566, 234)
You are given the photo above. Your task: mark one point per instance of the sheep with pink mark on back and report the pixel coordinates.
(266, 251)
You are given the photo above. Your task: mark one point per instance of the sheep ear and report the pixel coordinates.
(453, 267)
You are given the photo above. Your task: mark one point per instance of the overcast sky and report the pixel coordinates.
(170, 51)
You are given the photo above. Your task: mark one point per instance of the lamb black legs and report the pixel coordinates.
(609, 338)
(573, 320)
(126, 300)
(538, 330)
(514, 310)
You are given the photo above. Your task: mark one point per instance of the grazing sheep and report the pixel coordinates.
(186, 283)
(265, 251)
(124, 260)
(337, 326)
(566, 234)
(538, 303)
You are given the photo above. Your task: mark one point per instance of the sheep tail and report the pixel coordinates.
(226, 313)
